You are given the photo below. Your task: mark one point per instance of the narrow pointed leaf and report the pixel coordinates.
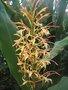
(7, 31)
(58, 48)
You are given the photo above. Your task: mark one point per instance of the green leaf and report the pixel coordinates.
(7, 31)
(0, 45)
(58, 47)
(62, 85)
(60, 8)
(14, 15)
(8, 8)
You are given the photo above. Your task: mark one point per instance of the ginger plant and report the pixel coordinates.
(32, 46)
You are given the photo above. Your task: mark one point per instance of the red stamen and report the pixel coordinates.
(54, 62)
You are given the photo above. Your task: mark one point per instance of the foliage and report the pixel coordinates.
(8, 29)
(7, 49)
(7, 82)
